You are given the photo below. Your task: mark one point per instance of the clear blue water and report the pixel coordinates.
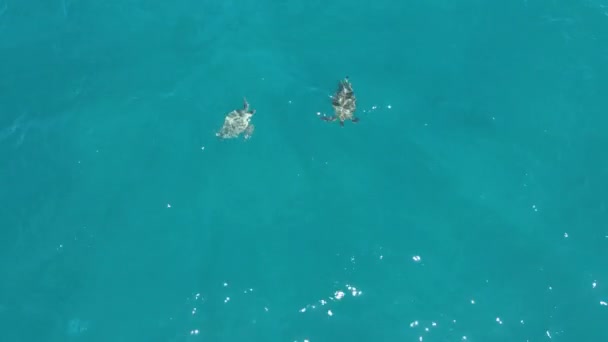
(480, 151)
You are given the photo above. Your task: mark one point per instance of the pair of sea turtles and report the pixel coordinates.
(344, 102)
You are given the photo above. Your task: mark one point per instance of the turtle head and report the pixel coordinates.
(344, 87)
(346, 84)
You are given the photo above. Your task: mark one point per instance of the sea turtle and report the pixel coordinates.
(236, 122)
(344, 103)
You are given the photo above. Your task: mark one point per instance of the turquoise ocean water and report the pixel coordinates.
(468, 204)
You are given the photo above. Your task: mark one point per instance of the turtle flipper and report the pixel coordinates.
(355, 119)
(329, 118)
(249, 131)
